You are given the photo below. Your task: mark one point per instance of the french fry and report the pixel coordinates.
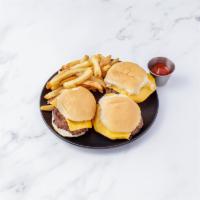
(105, 60)
(48, 86)
(114, 61)
(75, 62)
(83, 77)
(94, 85)
(63, 75)
(99, 80)
(53, 93)
(70, 64)
(84, 64)
(88, 87)
(79, 74)
(84, 58)
(47, 107)
(52, 101)
(56, 86)
(96, 66)
(98, 56)
(106, 68)
(68, 79)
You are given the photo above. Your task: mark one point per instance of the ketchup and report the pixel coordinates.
(160, 69)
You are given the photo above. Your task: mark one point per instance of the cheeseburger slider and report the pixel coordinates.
(75, 108)
(117, 117)
(130, 79)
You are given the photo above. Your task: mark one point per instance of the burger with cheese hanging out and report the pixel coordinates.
(75, 108)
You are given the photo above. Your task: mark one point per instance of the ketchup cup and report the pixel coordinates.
(161, 69)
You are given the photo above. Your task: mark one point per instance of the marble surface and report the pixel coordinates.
(36, 37)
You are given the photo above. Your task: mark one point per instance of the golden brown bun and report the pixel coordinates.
(127, 76)
(118, 113)
(77, 104)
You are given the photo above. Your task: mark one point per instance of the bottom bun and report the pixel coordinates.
(63, 132)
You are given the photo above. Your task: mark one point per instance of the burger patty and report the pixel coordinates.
(60, 122)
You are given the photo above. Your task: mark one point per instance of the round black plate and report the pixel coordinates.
(92, 139)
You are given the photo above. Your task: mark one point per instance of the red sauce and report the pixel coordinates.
(160, 69)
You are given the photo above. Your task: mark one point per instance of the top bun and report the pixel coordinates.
(127, 76)
(77, 104)
(118, 113)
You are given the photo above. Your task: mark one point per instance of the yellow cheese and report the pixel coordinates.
(100, 128)
(73, 126)
(144, 93)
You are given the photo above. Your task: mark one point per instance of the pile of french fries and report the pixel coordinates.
(87, 72)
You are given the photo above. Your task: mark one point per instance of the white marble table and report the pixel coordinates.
(36, 37)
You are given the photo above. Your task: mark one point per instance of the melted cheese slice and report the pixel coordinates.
(100, 128)
(144, 93)
(73, 126)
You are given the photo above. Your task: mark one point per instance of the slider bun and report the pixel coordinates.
(127, 76)
(118, 113)
(77, 104)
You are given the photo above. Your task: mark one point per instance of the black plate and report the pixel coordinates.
(92, 139)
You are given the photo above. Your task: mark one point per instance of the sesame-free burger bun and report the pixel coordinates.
(118, 113)
(127, 76)
(77, 104)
